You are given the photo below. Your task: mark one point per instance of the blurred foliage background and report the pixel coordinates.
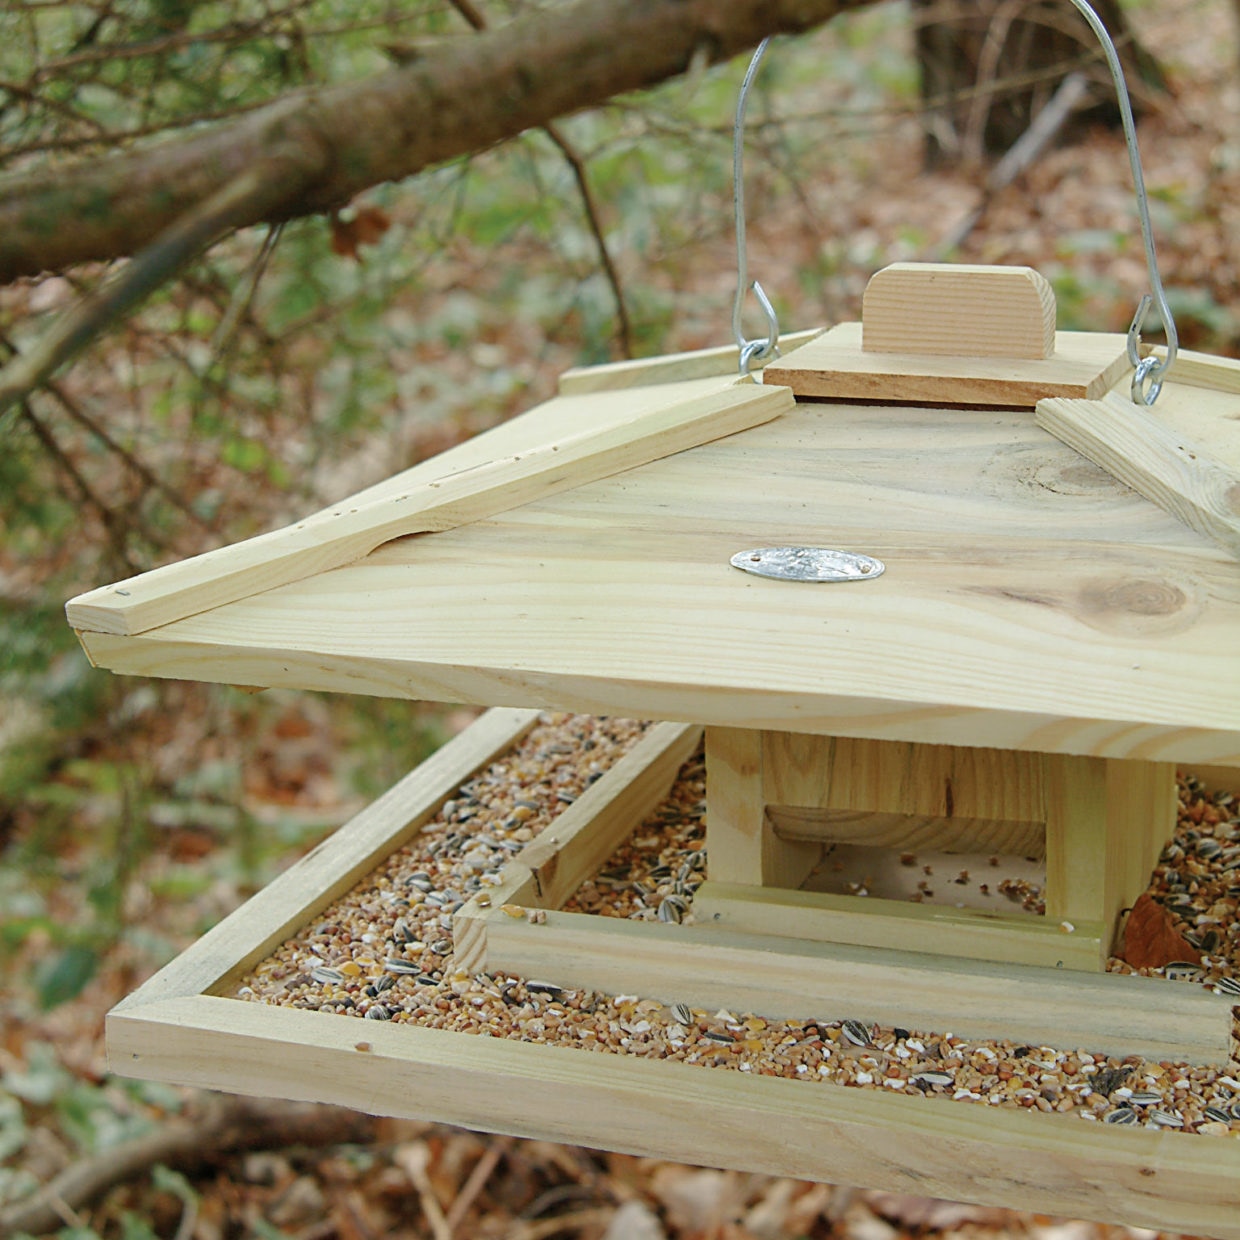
(297, 363)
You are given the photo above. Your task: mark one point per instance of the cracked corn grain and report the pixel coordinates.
(384, 952)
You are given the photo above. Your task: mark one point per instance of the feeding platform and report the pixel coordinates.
(1009, 655)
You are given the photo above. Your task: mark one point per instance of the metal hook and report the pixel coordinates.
(756, 349)
(1149, 373)
(1149, 370)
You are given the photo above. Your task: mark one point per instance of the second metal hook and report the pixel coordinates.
(1149, 373)
(756, 349)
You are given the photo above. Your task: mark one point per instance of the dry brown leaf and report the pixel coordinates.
(1151, 939)
(365, 227)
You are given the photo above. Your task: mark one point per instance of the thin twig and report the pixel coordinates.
(1020, 155)
(476, 1182)
(148, 476)
(243, 298)
(256, 189)
(574, 1221)
(112, 522)
(412, 1160)
(624, 326)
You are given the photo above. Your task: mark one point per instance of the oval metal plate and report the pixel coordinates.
(808, 564)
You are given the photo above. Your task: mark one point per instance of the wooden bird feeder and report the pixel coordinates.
(1011, 653)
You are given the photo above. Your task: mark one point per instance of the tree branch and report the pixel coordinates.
(227, 1125)
(343, 139)
(253, 190)
(624, 327)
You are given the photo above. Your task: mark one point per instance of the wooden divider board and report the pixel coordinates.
(1182, 452)
(913, 930)
(179, 1027)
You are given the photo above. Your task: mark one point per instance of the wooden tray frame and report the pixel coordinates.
(180, 1027)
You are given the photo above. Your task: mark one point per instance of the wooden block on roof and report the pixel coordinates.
(835, 366)
(953, 309)
(940, 333)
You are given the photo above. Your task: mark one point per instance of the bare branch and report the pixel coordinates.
(344, 139)
(474, 17)
(226, 1125)
(254, 190)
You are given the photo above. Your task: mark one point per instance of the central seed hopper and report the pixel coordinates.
(1010, 654)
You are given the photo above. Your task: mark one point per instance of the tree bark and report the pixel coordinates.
(988, 67)
(344, 139)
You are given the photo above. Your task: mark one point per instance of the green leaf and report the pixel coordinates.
(62, 977)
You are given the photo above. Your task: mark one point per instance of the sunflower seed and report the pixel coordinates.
(378, 1012)
(1235, 1110)
(682, 1014)
(1208, 848)
(718, 1036)
(672, 909)
(1166, 1119)
(1227, 986)
(327, 977)
(402, 966)
(1144, 1098)
(544, 988)
(1219, 1114)
(933, 1078)
(855, 1032)
(1121, 1115)
(1182, 970)
(441, 947)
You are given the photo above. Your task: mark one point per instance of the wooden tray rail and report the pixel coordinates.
(180, 1027)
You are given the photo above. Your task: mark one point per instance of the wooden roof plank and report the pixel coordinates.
(574, 440)
(1191, 471)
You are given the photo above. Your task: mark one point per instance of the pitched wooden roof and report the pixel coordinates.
(578, 557)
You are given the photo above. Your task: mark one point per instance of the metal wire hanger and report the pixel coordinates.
(1149, 373)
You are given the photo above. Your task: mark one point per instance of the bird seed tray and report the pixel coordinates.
(377, 973)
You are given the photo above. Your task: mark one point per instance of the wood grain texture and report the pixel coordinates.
(574, 440)
(670, 368)
(1203, 370)
(1107, 821)
(1050, 1163)
(1182, 454)
(742, 845)
(901, 926)
(904, 795)
(834, 366)
(1030, 601)
(708, 966)
(959, 310)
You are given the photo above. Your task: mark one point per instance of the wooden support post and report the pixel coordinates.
(1106, 822)
(741, 843)
(773, 798)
